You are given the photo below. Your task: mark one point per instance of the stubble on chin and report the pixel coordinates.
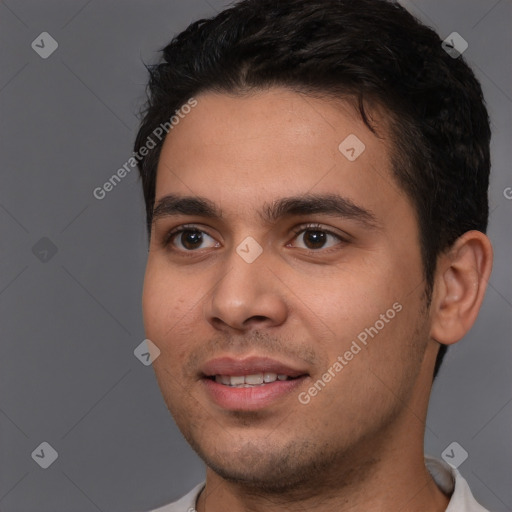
(293, 471)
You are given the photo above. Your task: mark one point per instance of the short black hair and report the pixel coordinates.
(372, 52)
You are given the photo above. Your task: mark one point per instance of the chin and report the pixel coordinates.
(269, 476)
(263, 466)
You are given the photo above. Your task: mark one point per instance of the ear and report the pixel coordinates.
(460, 282)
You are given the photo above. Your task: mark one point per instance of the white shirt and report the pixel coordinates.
(448, 479)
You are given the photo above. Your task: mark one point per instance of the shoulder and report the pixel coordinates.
(452, 483)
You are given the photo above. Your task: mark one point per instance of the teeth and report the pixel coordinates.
(222, 379)
(237, 381)
(254, 379)
(245, 381)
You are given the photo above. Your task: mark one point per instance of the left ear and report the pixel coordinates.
(460, 282)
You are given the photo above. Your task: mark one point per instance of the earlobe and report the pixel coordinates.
(459, 286)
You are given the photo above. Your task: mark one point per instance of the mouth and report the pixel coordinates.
(251, 383)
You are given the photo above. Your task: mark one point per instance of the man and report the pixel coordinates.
(315, 176)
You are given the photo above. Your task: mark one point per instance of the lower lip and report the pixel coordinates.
(250, 399)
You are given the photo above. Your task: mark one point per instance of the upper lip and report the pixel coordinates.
(248, 366)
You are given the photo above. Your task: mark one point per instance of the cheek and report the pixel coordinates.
(164, 306)
(154, 302)
(373, 307)
(349, 300)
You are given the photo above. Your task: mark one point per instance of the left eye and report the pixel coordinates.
(315, 237)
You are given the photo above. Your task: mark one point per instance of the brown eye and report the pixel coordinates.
(187, 239)
(315, 237)
(190, 239)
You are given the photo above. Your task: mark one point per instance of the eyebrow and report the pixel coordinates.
(321, 204)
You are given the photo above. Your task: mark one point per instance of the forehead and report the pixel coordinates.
(270, 144)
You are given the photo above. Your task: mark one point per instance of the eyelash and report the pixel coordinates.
(300, 229)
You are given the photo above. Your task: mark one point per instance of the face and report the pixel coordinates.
(286, 298)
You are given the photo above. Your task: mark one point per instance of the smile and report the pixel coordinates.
(245, 381)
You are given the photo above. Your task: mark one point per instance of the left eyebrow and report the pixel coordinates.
(309, 204)
(321, 204)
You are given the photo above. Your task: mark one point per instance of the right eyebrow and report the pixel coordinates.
(171, 205)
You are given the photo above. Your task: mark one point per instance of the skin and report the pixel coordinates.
(358, 444)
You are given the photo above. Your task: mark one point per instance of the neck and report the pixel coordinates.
(395, 480)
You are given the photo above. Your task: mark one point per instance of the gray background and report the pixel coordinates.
(70, 324)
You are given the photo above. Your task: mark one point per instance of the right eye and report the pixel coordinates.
(190, 238)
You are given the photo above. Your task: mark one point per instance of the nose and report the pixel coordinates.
(247, 296)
